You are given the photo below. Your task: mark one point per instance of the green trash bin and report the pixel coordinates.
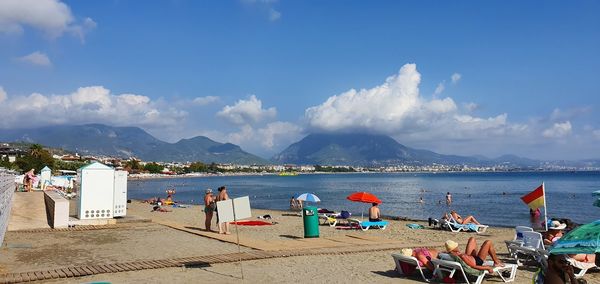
(310, 217)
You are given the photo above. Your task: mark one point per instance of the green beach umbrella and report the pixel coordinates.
(597, 202)
(596, 193)
(584, 239)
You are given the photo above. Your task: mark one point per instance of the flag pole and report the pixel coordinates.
(545, 208)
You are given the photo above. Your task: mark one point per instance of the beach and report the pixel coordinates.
(338, 256)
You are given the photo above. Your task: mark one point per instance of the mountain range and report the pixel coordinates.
(314, 149)
(377, 150)
(125, 142)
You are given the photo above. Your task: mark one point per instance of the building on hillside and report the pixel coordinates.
(10, 152)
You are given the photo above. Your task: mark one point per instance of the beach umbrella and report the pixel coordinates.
(596, 193)
(364, 197)
(597, 202)
(584, 239)
(308, 197)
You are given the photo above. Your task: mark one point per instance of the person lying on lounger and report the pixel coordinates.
(423, 255)
(459, 219)
(559, 270)
(473, 258)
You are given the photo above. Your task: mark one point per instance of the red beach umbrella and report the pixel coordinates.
(364, 197)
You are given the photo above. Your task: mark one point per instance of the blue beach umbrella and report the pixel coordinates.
(308, 197)
(584, 239)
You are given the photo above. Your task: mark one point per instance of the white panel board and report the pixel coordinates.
(241, 207)
(225, 210)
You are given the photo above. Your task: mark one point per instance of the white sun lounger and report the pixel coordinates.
(532, 248)
(452, 267)
(398, 258)
(456, 227)
(517, 241)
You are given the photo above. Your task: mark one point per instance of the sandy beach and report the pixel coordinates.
(338, 256)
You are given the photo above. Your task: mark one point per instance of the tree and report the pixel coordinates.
(36, 158)
(153, 168)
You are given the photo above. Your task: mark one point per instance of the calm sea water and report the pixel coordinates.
(493, 198)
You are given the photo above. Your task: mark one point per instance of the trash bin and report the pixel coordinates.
(311, 222)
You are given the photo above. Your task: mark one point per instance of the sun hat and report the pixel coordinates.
(450, 245)
(556, 225)
(208, 190)
(407, 252)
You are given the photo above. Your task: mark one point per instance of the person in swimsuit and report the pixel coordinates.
(209, 208)
(423, 255)
(554, 233)
(223, 227)
(473, 258)
(459, 219)
(374, 213)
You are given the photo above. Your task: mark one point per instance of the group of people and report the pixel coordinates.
(210, 207)
(295, 204)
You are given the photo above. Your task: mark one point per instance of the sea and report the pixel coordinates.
(492, 197)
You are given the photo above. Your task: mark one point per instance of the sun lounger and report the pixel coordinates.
(517, 241)
(531, 249)
(451, 267)
(365, 225)
(333, 219)
(455, 227)
(410, 260)
(583, 267)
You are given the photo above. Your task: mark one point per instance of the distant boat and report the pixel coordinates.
(288, 174)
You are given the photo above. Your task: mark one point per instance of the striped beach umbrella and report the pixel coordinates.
(308, 197)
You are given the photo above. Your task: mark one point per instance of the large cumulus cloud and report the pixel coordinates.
(396, 108)
(93, 104)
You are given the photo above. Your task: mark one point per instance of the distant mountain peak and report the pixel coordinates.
(100, 139)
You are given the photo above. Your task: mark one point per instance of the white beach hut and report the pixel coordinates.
(95, 185)
(46, 177)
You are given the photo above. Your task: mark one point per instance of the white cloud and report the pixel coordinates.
(247, 112)
(558, 130)
(439, 89)
(274, 15)
(36, 58)
(396, 108)
(471, 106)
(94, 104)
(52, 17)
(571, 113)
(3, 95)
(268, 139)
(202, 101)
(455, 78)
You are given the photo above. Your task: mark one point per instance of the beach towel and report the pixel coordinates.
(415, 226)
(251, 223)
(472, 227)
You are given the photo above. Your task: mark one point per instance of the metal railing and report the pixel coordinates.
(7, 187)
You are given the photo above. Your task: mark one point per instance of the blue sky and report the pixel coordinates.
(492, 78)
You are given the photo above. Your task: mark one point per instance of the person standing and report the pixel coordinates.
(448, 199)
(209, 208)
(222, 196)
(28, 180)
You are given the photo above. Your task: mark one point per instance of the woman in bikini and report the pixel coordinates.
(209, 208)
(468, 220)
(423, 255)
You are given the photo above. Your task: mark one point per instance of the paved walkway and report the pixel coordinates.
(28, 211)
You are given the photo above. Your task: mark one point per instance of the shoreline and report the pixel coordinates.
(242, 174)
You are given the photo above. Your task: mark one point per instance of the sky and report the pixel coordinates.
(456, 77)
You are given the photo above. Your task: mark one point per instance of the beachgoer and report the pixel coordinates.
(555, 232)
(448, 199)
(459, 219)
(293, 203)
(473, 258)
(28, 180)
(209, 208)
(423, 255)
(374, 213)
(223, 227)
(299, 204)
(559, 270)
(535, 213)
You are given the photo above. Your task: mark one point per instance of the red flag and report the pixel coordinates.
(535, 199)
